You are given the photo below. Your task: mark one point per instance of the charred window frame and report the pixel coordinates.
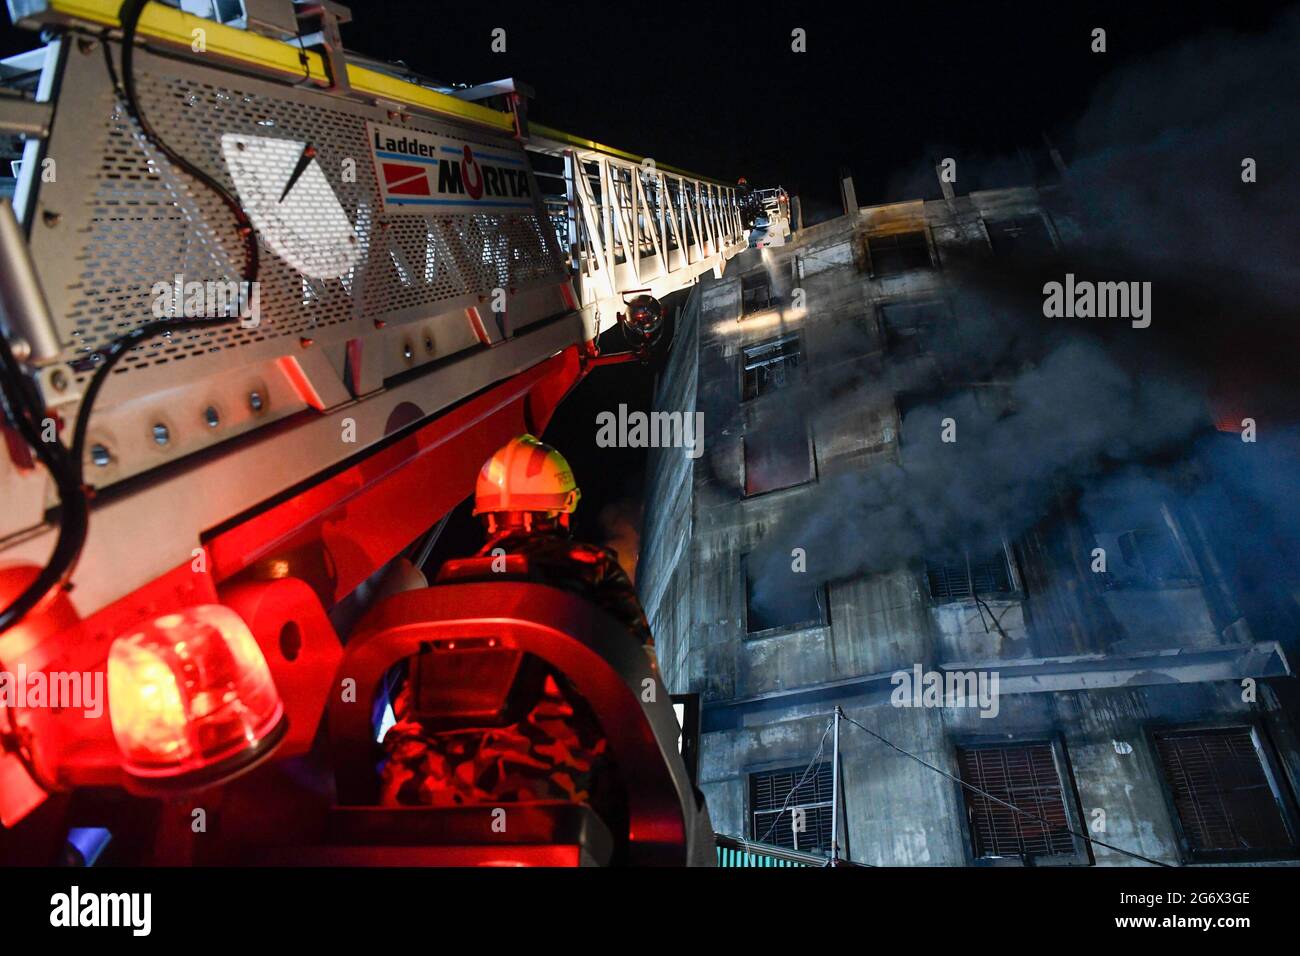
(1223, 784)
(1144, 548)
(769, 365)
(896, 253)
(993, 398)
(777, 456)
(766, 793)
(1028, 236)
(1034, 774)
(806, 605)
(755, 291)
(907, 326)
(967, 575)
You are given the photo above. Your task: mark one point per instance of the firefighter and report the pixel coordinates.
(525, 496)
(553, 750)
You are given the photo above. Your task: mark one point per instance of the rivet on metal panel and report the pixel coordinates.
(212, 416)
(255, 401)
(408, 351)
(161, 433)
(100, 455)
(428, 344)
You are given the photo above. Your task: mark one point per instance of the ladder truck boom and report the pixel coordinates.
(275, 302)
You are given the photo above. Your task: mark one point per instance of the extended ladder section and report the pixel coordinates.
(631, 224)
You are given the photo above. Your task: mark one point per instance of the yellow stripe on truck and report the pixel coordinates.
(159, 22)
(170, 25)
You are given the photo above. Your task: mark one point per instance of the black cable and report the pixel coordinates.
(998, 800)
(25, 407)
(26, 412)
(129, 18)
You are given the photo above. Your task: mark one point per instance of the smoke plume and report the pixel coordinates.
(1156, 184)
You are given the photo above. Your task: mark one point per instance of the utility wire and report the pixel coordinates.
(795, 789)
(986, 794)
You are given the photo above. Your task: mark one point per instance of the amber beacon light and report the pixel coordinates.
(191, 699)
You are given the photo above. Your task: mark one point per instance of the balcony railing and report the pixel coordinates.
(737, 853)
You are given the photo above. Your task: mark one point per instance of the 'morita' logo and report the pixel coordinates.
(470, 172)
(475, 177)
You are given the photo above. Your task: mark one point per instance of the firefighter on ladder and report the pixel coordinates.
(525, 496)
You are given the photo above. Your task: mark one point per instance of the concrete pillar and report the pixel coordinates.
(946, 187)
(847, 192)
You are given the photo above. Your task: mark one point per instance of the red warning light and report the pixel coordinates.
(191, 694)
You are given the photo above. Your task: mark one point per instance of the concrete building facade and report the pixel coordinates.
(1134, 701)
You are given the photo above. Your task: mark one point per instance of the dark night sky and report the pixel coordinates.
(717, 89)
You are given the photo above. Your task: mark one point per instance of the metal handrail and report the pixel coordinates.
(733, 852)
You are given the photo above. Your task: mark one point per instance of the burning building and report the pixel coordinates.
(997, 542)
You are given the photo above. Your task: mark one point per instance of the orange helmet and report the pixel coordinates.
(526, 475)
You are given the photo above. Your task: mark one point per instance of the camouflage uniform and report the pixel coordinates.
(549, 755)
(556, 752)
(585, 569)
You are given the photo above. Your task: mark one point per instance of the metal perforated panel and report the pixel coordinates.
(142, 222)
(440, 256)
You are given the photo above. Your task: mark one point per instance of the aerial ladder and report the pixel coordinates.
(267, 304)
(772, 225)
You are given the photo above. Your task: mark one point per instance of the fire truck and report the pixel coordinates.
(267, 305)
